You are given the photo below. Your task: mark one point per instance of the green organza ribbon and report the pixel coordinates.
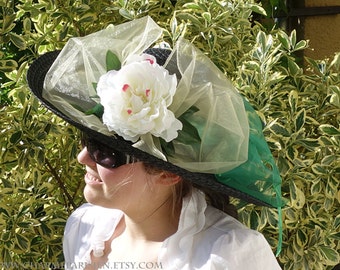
(259, 175)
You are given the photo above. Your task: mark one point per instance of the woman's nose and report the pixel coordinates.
(84, 158)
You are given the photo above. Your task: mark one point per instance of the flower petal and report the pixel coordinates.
(136, 99)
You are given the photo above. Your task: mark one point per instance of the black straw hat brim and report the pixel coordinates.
(36, 76)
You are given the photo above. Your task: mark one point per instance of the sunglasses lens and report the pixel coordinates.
(105, 156)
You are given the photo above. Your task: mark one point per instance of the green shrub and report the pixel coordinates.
(41, 182)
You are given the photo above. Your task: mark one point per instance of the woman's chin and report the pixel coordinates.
(92, 196)
(96, 199)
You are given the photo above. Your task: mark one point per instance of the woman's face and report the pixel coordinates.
(120, 188)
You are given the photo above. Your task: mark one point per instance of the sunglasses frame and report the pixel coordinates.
(105, 156)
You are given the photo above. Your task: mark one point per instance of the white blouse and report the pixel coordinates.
(206, 239)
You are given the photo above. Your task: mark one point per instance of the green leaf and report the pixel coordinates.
(283, 37)
(7, 184)
(88, 17)
(325, 141)
(291, 153)
(6, 236)
(192, 6)
(24, 225)
(335, 97)
(8, 65)
(41, 157)
(207, 16)
(190, 18)
(22, 241)
(336, 62)
(77, 107)
(337, 221)
(261, 41)
(258, 9)
(15, 138)
(27, 25)
(301, 45)
(8, 23)
(168, 147)
(126, 14)
(112, 61)
(293, 100)
(189, 134)
(329, 130)
(22, 97)
(97, 110)
(254, 220)
(18, 41)
(309, 143)
(306, 176)
(46, 231)
(293, 68)
(173, 24)
(335, 236)
(319, 169)
(301, 238)
(63, 33)
(298, 198)
(58, 222)
(300, 119)
(283, 165)
(328, 160)
(279, 130)
(23, 209)
(332, 256)
(293, 38)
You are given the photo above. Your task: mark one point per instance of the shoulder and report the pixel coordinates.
(86, 226)
(235, 245)
(88, 216)
(208, 238)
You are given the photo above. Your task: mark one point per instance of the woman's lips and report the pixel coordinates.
(92, 180)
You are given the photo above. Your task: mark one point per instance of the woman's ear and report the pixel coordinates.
(168, 178)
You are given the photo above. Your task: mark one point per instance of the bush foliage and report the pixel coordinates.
(41, 182)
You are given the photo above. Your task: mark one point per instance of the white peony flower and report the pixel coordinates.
(136, 99)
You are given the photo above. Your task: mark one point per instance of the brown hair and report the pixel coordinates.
(184, 187)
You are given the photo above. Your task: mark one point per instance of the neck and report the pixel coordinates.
(152, 225)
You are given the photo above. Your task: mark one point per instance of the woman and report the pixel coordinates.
(164, 130)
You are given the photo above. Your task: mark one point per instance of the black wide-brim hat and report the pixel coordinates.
(249, 189)
(35, 78)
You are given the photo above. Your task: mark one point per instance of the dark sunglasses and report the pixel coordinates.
(105, 156)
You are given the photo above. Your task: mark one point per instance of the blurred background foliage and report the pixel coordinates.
(299, 102)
